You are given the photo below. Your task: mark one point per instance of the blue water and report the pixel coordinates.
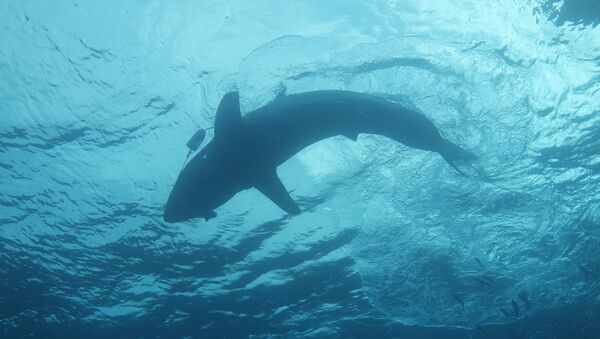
(99, 100)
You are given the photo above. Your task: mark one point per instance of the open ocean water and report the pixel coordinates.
(98, 100)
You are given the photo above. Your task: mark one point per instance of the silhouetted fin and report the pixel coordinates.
(228, 120)
(273, 188)
(209, 215)
(351, 135)
(196, 140)
(452, 153)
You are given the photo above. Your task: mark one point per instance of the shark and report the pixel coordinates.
(245, 151)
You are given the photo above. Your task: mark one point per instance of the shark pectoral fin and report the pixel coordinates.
(228, 120)
(273, 188)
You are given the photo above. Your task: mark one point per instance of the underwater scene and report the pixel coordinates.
(300, 169)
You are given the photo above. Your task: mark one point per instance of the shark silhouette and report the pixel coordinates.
(246, 151)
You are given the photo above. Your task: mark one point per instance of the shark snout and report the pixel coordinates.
(179, 211)
(175, 211)
(170, 215)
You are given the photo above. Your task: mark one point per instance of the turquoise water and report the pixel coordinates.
(99, 100)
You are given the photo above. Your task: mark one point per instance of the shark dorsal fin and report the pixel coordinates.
(228, 120)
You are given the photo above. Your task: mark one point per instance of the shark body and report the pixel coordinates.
(246, 151)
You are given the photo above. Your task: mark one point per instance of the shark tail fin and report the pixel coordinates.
(452, 153)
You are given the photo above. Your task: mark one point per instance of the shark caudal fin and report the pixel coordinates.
(452, 153)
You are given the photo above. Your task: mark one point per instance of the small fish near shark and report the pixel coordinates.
(246, 151)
